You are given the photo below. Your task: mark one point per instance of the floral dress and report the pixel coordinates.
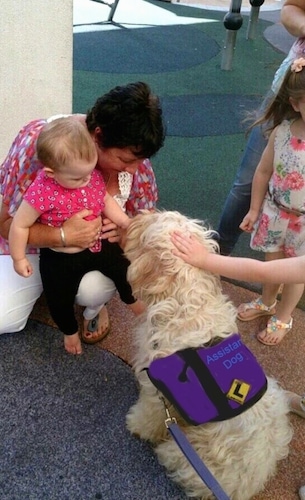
(281, 224)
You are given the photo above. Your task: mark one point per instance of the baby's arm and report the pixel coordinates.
(114, 212)
(193, 252)
(18, 238)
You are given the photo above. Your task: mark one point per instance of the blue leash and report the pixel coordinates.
(194, 459)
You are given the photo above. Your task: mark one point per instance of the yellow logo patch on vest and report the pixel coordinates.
(238, 391)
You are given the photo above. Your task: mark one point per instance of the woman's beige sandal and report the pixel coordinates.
(258, 307)
(275, 331)
(100, 324)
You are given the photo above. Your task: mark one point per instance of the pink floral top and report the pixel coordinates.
(20, 168)
(56, 204)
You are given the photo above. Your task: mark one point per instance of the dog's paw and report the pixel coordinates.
(132, 424)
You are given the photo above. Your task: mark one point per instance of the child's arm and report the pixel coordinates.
(18, 237)
(114, 212)
(260, 183)
(193, 252)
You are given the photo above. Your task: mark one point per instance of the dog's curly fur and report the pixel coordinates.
(186, 308)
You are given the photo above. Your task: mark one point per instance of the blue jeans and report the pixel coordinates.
(238, 200)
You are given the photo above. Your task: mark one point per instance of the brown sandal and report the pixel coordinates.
(93, 326)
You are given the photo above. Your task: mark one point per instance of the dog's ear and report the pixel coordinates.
(149, 275)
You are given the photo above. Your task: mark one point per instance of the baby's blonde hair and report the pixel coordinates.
(63, 141)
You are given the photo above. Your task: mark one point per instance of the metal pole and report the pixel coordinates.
(253, 18)
(112, 10)
(112, 7)
(228, 50)
(232, 22)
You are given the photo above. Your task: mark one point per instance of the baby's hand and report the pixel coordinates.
(189, 249)
(73, 344)
(23, 267)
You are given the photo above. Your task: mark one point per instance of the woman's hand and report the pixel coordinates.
(110, 231)
(80, 232)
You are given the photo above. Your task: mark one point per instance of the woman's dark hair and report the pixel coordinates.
(129, 116)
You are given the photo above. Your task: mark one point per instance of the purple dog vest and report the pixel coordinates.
(210, 384)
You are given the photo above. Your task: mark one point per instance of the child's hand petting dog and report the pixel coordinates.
(189, 249)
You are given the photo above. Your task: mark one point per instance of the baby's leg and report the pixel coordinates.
(61, 274)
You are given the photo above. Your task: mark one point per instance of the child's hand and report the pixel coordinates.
(189, 249)
(23, 267)
(73, 344)
(248, 221)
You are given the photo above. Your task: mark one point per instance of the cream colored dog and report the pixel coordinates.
(186, 308)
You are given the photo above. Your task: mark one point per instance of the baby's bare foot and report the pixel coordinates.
(73, 344)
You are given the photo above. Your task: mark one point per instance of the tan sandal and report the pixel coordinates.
(93, 325)
(274, 326)
(258, 307)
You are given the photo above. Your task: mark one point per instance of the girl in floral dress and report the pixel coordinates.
(276, 217)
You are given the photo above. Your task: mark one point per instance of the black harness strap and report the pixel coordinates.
(192, 360)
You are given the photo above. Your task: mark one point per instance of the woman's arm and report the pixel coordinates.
(293, 17)
(78, 231)
(5, 221)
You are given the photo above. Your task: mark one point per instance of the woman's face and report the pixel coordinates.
(118, 159)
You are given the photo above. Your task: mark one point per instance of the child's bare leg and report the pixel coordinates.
(270, 290)
(73, 344)
(291, 295)
(246, 311)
